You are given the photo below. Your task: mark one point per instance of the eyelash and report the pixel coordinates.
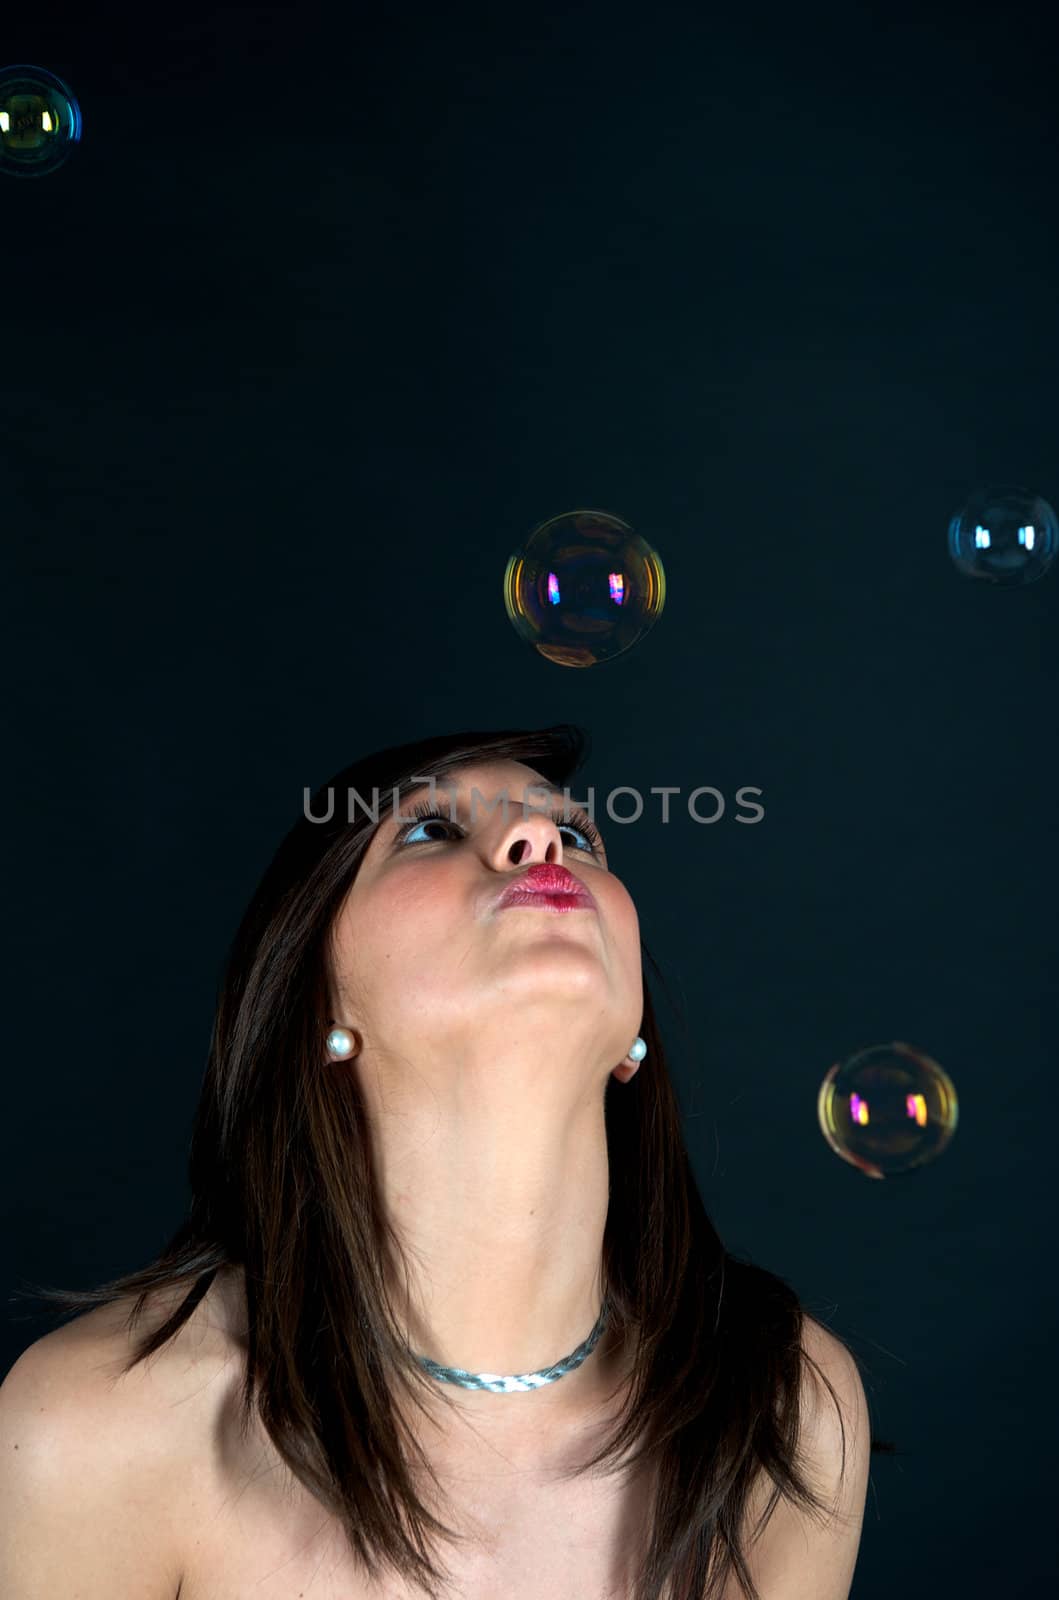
(571, 817)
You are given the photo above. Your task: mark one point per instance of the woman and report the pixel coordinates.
(443, 1211)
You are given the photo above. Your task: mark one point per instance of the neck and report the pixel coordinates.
(503, 1232)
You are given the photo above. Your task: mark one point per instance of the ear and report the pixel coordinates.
(627, 1070)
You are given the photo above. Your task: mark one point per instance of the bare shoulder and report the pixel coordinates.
(826, 1417)
(93, 1458)
(795, 1555)
(83, 1366)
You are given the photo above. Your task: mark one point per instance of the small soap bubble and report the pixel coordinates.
(40, 121)
(887, 1109)
(583, 588)
(1004, 534)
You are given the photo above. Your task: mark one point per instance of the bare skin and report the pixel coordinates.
(485, 1039)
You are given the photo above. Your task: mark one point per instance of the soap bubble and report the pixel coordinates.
(583, 588)
(887, 1109)
(40, 121)
(1004, 534)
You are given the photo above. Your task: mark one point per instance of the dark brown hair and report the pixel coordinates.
(280, 1172)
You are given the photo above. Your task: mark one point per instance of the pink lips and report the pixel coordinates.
(543, 885)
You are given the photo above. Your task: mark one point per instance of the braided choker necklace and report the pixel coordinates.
(524, 1380)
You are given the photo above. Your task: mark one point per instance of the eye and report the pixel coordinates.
(427, 815)
(592, 845)
(428, 818)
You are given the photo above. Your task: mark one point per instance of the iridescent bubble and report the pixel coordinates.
(583, 588)
(1004, 534)
(887, 1109)
(40, 121)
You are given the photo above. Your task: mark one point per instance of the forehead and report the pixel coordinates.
(492, 780)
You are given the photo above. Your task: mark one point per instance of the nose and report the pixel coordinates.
(529, 838)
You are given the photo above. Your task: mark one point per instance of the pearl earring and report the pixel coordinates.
(340, 1043)
(638, 1049)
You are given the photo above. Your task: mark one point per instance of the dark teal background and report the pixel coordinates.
(326, 313)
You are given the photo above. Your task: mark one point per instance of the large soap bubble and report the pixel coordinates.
(583, 588)
(887, 1109)
(40, 121)
(1004, 534)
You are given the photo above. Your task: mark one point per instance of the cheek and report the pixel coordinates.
(625, 932)
(623, 914)
(391, 929)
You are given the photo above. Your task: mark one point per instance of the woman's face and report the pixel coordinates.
(428, 968)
